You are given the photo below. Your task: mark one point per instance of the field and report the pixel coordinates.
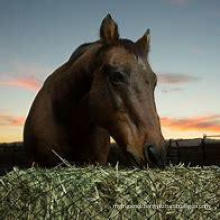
(96, 192)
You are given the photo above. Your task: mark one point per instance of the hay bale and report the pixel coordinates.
(110, 193)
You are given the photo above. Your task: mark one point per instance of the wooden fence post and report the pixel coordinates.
(203, 149)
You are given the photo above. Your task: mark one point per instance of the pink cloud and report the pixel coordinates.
(178, 2)
(173, 78)
(30, 83)
(197, 51)
(10, 120)
(210, 123)
(25, 75)
(168, 90)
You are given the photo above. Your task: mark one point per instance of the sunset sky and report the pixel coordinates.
(36, 37)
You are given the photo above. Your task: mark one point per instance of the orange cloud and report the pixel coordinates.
(209, 123)
(9, 120)
(29, 83)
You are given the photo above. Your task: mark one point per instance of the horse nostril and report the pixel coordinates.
(154, 156)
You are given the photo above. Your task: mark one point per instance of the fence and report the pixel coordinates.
(199, 151)
(203, 152)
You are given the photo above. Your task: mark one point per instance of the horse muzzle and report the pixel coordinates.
(154, 157)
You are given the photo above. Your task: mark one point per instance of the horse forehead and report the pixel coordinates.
(120, 56)
(142, 63)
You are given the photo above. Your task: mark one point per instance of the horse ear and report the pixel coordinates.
(143, 43)
(109, 30)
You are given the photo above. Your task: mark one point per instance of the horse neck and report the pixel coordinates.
(73, 80)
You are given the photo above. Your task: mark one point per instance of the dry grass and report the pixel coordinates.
(111, 193)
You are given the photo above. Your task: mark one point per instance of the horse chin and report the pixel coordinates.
(134, 159)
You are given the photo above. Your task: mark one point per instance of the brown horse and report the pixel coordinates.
(105, 89)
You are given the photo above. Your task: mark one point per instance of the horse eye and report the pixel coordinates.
(117, 77)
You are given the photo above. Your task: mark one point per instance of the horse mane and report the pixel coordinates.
(80, 51)
(131, 47)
